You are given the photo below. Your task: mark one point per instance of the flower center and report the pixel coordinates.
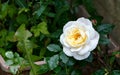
(76, 37)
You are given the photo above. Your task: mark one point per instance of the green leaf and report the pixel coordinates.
(35, 57)
(39, 69)
(40, 10)
(9, 62)
(115, 72)
(56, 34)
(21, 47)
(22, 33)
(16, 54)
(57, 69)
(53, 47)
(41, 27)
(99, 72)
(53, 62)
(10, 36)
(76, 72)
(43, 69)
(50, 14)
(9, 54)
(64, 58)
(4, 10)
(105, 28)
(21, 3)
(90, 58)
(2, 52)
(104, 40)
(3, 34)
(63, 9)
(19, 60)
(23, 10)
(71, 62)
(62, 72)
(14, 69)
(27, 45)
(12, 11)
(112, 59)
(22, 19)
(42, 53)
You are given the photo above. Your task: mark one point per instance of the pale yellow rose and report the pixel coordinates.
(79, 38)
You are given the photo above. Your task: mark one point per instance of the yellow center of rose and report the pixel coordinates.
(76, 37)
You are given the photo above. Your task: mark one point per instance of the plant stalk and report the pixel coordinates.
(29, 59)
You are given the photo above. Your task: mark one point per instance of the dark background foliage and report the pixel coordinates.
(30, 30)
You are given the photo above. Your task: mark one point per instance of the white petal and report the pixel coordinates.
(71, 25)
(93, 43)
(88, 26)
(85, 21)
(84, 50)
(62, 40)
(92, 33)
(75, 49)
(88, 37)
(80, 57)
(68, 24)
(67, 51)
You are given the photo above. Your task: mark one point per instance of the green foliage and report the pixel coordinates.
(2, 52)
(40, 28)
(40, 10)
(57, 69)
(9, 55)
(30, 31)
(64, 58)
(53, 62)
(105, 28)
(115, 72)
(90, 58)
(21, 3)
(22, 18)
(14, 69)
(43, 69)
(54, 48)
(22, 33)
(99, 72)
(14, 61)
(4, 10)
(76, 72)
(104, 40)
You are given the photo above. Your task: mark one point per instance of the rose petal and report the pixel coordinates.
(68, 24)
(67, 51)
(75, 24)
(62, 40)
(85, 21)
(93, 43)
(91, 32)
(84, 50)
(88, 25)
(75, 49)
(88, 37)
(80, 57)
